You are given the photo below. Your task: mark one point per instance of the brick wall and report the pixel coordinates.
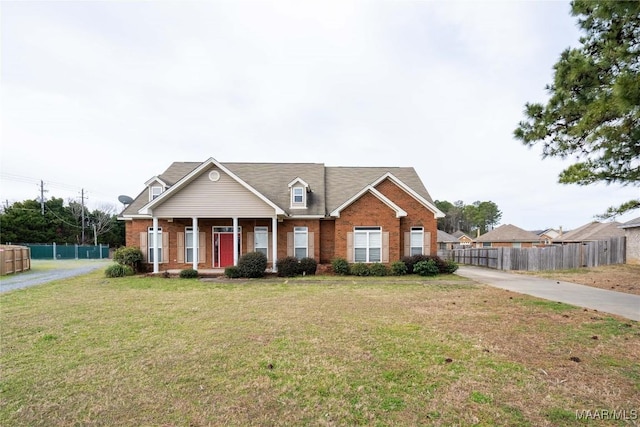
(285, 227)
(327, 241)
(368, 210)
(417, 214)
(633, 245)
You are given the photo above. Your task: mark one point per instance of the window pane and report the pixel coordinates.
(416, 239)
(189, 255)
(374, 255)
(262, 250)
(375, 239)
(260, 240)
(151, 255)
(416, 251)
(360, 240)
(188, 239)
(360, 255)
(301, 253)
(300, 240)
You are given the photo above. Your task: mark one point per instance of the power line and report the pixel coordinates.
(51, 184)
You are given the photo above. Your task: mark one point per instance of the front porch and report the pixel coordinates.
(208, 245)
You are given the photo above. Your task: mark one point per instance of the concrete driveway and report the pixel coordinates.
(625, 305)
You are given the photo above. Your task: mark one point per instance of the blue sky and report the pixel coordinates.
(101, 96)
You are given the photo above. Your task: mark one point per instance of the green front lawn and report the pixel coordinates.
(308, 351)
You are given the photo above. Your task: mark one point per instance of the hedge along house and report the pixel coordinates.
(207, 215)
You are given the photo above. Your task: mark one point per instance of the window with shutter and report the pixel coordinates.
(367, 244)
(300, 242)
(417, 240)
(152, 241)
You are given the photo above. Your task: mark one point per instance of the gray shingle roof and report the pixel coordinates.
(508, 233)
(631, 224)
(592, 231)
(272, 180)
(458, 234)
(446, 237)
(329, 186)
(344, 182)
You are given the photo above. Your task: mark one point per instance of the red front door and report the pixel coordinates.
(225, 254)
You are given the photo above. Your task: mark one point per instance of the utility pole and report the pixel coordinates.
(82, 197)
(42, 197)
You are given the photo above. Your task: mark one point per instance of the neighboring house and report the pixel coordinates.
(207, 215)
(463, 239)
(632, 233)
(508, 236)
(446, 241)
(548, 235)
(591, 231)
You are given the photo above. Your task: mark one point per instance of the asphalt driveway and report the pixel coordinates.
(43, 271)
(625, 305)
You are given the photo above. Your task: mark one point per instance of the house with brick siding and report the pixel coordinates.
(205, 215)
(508, 236)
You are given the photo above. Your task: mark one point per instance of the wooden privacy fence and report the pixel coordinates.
(14, 259)
(556, 257)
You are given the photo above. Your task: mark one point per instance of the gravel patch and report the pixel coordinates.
(47, 271)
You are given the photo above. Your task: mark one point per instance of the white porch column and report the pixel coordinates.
(196, 243)
(274, 242)
(156, 261)
(235, 240)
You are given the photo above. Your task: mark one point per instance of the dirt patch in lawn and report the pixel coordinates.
(622, 277)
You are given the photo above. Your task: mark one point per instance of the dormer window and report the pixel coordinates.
(298, 189)
(154, 191)
(297, 197)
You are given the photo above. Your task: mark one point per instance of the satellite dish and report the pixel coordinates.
(125, 200)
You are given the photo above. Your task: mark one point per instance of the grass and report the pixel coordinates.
(306, 351)
(618, 277)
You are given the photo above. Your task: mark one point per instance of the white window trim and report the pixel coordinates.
(368, 231)
(303, 203)
(297, 231)
(261, 230)
(152, 191)
(188, 230)
(151, 241)
(416, 231)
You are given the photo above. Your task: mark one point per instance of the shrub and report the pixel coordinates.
(340, 266)
(130, 256)
(398, 268)
(118, 270)
(360, 269)
(426, 268)
(232, 272)
(440, 263)
(288, 266)
(411, 261)
(188, 273)
(450, 267)
(252, 264)
(308, 266)
(378, 269)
